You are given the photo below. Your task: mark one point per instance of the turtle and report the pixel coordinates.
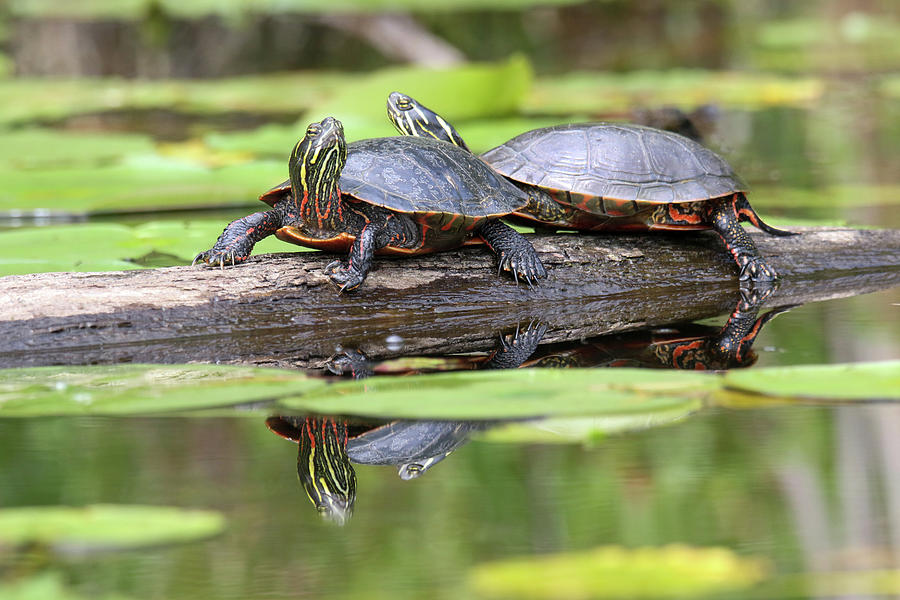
(394, 195)
(328, 445)
(615, 176)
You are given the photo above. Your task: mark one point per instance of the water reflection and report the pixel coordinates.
(328, 445)
(680, 346)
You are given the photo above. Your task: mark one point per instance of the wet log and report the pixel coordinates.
(279, 310)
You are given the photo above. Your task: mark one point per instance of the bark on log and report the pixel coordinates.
(280, 310)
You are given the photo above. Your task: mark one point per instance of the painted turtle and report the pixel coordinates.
(327, 446)
(397, 195)
(612, 176)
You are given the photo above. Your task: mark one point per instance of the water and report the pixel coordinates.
(809, 487)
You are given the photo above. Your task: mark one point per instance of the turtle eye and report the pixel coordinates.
(404, 103)
(313, 130)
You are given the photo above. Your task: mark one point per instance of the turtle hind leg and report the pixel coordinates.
(754, 268)
(236, 242)
(516, 254)
(745, 212)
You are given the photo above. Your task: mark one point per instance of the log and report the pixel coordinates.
(279, 309)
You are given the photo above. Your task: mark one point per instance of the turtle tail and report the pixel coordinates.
(745, 212)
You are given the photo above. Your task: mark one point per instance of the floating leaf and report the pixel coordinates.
(855, 381)
(110, 247)
(614, 572)
(142, 184)
(514, 393)
(105, 526)
(140, 389)
(597, 93)
(30, 148)
(46, 99)
(468, 92)
(589, 429)
(46, 586)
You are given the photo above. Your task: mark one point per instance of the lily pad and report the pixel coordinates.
(31, 148)
(511, 394)
(589, 429)
(105, 526)
(856, 381)
(111, 247)
(44, 586)
(598, 93)
(141, 184)
(140, 389)
(615, 572)
(47, 99)
(468, 92)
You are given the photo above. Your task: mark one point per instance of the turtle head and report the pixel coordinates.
(412, 118)
(324, 468)
(322, 463)
(318, 159)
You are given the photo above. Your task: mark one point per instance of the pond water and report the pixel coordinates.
(805, 487)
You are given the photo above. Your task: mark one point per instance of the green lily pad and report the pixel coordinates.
(565, 430)
(856, 381)
(469, 92)
(597, 93)
(616, 572)
(44, 586)
(105, 526)
(511, 394)
(141, 184)
(140, 389)
(111, 247)
(30, 148)
(855, 42)
(46, 99)
(826, 198)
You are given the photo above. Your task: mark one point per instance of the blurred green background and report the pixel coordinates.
(121, 112)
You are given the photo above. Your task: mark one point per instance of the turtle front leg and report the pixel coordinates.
(754, 268)
(239, 237)
(379, 231)
(516, 254)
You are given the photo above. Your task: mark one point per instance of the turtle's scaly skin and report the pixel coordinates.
(388, 196)
(610, 176)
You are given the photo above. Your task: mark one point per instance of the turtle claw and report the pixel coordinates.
(344, 276)
(522, 265)
(758, 271)
(753, 297)
(517, 347)
(219, 258)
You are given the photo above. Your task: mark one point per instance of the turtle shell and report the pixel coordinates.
(616, 161)
(402, 442)
(419, 175)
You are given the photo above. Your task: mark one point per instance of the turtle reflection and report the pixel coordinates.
(328, 446)
(689, 346)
